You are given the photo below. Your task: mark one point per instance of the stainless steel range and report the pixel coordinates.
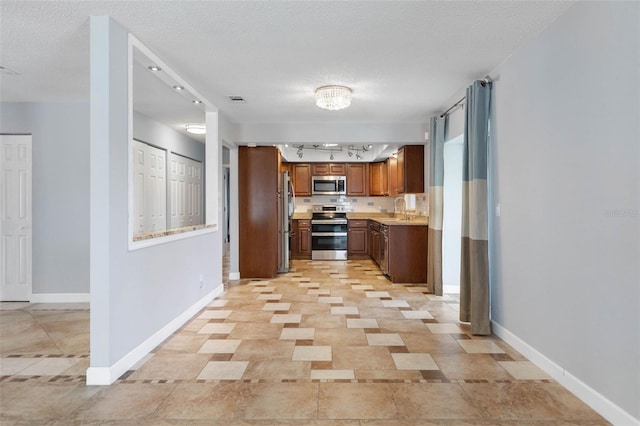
(329, 233)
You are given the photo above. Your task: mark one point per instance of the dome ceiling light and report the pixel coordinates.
(196, 128)
(333, 98)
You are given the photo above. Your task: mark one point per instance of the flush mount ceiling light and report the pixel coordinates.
(195, 128)
(178, 87)
(333, 98)
(154, 68)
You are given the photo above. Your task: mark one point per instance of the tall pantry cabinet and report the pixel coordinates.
(259, 211)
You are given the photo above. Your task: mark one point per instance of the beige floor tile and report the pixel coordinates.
(49, 367)
(384, 339)
(215, 314)
(417, 315)
(445, 328)
(329, 299)
(323, 321)
(362, 287)
(221, 346)
(169, 365)
(280, 401)
(202, 401)
(262, 289)
(126, 401)
(11, 366)
(465, 366)
(480, 347)
(403, 325)
(43, 402)
(297, 334)
(362, 357)
(377, 294)
(277, 370)
(362, 323)
(344, 310)
(377, 374)
(431, 343)
(260, 350)
(332, 375)
(217, 328)
(223, 370)
(270, 297)
(414, 361)
(434, 401)
(272, 306)
(340, 337)
(218, 303)
(524, 370)
(183, 343)
(312, 353)
(356, 401)
(395, 304)
(286, 319)
(248, 331)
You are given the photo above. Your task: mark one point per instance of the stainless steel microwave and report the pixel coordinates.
(329, 185)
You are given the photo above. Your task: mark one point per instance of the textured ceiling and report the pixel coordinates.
(403, 60)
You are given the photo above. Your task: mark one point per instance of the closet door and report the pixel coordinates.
(149, 189)
(186, 191)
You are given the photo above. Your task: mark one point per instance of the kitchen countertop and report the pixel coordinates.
(383, 218)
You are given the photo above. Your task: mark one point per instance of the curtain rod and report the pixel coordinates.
(486, 80)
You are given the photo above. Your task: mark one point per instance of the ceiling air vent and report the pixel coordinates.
(237, 99)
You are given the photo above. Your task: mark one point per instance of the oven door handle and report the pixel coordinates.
(329, 221)
(328, 234)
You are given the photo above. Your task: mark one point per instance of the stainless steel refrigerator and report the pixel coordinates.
(287, 199)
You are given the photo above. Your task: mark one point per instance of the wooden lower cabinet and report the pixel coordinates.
(405, 251)
(374, 241)
(357, 239)
(300, 239)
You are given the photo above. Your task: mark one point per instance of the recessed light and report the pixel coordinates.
(329, 144)
(154, 68)
(236, 99)
(196, 128)
(178, 88)
(197, 101)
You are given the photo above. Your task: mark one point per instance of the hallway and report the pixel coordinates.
(327, 343)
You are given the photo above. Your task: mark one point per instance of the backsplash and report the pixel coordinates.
(359, 204)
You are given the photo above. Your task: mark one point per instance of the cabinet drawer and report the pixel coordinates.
(358, 223)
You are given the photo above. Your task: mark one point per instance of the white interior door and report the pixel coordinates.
(186, 191)
(15, 223)
(149, 188)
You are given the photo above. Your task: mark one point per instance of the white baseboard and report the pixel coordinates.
(60, 298)
(108, 375)
(234, 275)
(591, 397)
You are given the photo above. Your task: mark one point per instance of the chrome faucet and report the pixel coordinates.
(404, 207)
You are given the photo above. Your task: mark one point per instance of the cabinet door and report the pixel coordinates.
(378, 182)
(400, 171)
(304, 235)
(357, 179)
(337, 169)
(294, 239)
(301, 174)
(411, 169)
(329, 169)
(357, 239)
(392, 174)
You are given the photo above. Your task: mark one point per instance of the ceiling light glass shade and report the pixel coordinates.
(196, 129)
(333, 98)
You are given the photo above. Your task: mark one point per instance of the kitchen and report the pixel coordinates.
(336, 211)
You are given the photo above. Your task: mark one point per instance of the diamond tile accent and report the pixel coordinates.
(226, 346)
(223, 370)
(384, 339)
(362, 323)
(417, 315)
(217, 328)
(344, 310)
(480, 347)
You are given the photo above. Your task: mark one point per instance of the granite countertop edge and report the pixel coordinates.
(383, 218)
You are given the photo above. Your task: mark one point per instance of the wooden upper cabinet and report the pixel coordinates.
(378, 180)
(410, 169)
(328, 169)
(301, 178)
(357, 179)
(392, 176)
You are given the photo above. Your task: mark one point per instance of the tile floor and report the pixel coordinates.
(329, 343)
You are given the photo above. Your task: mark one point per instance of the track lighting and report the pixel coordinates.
(332, 157)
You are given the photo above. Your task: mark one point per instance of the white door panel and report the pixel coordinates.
(16, 218)
(186, 191)
(149, 189)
